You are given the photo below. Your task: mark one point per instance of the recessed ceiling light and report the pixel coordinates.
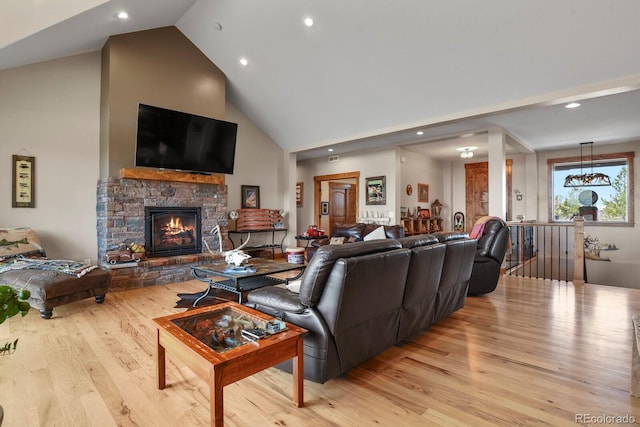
(572, 105)
(330, 149)
(244, 62)
(123, 15)
(308, 21)
(419, 133)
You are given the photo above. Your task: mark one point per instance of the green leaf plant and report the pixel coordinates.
(12, 303)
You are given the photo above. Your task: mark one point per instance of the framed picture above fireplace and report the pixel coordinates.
(250, 196)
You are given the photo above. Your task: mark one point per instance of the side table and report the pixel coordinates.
(306, 240)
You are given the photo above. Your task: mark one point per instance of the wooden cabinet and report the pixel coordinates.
(263, 223)
(414, 226)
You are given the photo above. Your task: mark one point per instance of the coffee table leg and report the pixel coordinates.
(217, 398)
(160, 364)
(298, 375)
(204, 295)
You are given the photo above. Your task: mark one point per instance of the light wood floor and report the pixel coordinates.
(532, 352)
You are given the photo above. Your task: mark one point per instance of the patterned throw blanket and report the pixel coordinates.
(75, 268)
(478, 227)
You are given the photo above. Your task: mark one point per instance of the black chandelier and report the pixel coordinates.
(587, 179)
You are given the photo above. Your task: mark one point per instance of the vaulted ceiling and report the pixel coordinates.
(374, 73)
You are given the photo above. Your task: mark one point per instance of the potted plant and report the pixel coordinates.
(12, 303)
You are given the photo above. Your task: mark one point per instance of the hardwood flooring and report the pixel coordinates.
(532, 352)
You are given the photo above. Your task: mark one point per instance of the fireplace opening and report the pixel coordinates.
(172, 231)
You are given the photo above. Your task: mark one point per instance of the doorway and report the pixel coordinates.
(336, 199)
(477, 191)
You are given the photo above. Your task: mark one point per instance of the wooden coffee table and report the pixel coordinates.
(208, 341)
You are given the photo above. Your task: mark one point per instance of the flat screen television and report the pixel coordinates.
(168, 139)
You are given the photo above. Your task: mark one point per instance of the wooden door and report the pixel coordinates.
(342, 204)
(477, 192)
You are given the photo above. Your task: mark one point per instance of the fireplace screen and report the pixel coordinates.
(172, 231)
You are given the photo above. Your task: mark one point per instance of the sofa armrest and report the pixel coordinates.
(319, 242)
(275, 300)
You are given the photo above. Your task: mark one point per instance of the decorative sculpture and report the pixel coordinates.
(235, 256)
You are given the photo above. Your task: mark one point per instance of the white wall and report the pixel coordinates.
(51, 111)
(259, 161)
(418, 168)
(369, 164)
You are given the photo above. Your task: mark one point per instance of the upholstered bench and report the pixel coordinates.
(49, 288)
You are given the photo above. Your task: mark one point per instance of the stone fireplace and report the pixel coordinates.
(171, 231)
(122, 213)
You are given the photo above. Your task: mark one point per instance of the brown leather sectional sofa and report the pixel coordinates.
(354, 233)
(357, 300)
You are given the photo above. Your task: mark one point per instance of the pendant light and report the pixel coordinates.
(587, 179)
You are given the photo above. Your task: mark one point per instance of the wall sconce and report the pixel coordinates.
(518, 195)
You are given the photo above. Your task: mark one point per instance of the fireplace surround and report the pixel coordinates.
(121, 204)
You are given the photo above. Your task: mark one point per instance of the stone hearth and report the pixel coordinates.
(121, 219)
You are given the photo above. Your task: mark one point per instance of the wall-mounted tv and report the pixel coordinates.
(168, 139)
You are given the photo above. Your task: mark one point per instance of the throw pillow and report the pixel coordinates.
(336, 241)
(376, 234)
(294, 286)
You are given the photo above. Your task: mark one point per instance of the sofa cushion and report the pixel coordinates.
(486, 240)
(418, 240)
(394, 231)
(348, 230)
(391, 231)
(294, 286)
(321, 265)
(447, 236)
(376, 234)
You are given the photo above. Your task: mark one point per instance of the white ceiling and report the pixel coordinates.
(372, 73)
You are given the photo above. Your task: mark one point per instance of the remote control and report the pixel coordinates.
(254, 333)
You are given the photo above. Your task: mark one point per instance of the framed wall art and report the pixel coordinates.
(250, 196)
(23, 190)
(299, 194)
(324, 208)
(423, 192)
(376, 190)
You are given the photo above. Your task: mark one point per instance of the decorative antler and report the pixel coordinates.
(216, 231)
(245, 243)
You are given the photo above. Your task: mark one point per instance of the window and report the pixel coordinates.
(608, 204)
